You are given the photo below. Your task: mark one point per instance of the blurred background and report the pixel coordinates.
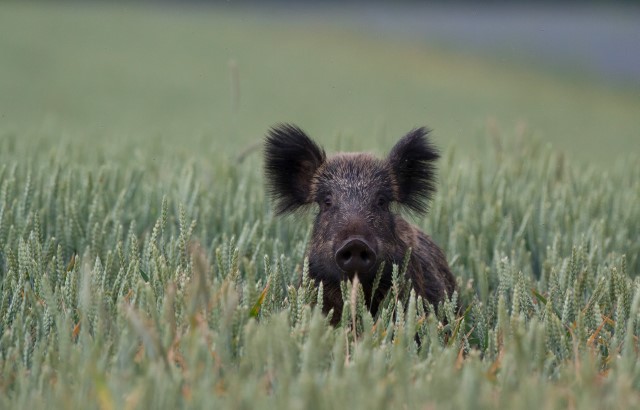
(212, 77)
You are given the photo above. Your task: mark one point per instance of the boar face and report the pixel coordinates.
(355, 228)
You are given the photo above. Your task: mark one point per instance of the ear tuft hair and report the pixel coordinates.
(412, 162)
(291, 159)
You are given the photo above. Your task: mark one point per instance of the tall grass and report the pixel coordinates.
(139, 272)
(166, 283)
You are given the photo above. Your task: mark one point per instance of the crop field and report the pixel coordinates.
(142, 266)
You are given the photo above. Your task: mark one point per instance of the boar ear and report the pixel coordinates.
(291, 160)
(412, 162)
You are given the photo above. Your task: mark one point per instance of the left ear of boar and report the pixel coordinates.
(291, 160)
(412, 161)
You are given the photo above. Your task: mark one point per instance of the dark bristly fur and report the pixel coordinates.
(354, 192)
(290, 154)
(412, 161)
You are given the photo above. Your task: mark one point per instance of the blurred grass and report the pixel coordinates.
(132, 72)
(131, 284)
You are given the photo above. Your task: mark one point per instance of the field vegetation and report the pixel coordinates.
(141, 265)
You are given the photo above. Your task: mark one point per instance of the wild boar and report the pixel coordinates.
(357, 228)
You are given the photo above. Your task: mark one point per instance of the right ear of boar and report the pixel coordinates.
(412, 161)
(291, 161)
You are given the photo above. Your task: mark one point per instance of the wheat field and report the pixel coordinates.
(141, 265)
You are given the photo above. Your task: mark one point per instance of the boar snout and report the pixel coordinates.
(356, 255)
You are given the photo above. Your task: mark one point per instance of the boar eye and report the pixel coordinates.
(327, 202)
(382, 201)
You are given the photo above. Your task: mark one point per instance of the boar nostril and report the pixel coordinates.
(355, 255)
